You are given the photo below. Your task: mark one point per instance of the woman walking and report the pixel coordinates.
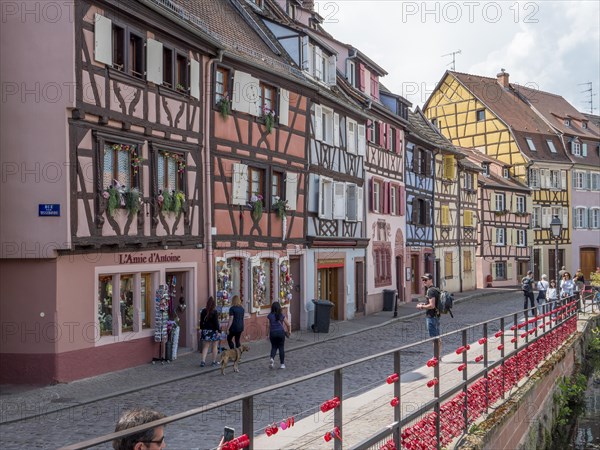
(211, 331)
(567, 286)
(235, 327)
(551, 296)
(279, 328)
(541, 298)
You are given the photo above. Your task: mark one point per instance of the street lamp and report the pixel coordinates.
(556, 232)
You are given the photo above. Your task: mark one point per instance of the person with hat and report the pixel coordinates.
(432, 314)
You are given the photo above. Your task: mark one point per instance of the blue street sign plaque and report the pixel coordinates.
(48, 210)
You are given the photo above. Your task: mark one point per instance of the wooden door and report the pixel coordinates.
(587, 262)
(400, 278)
(328, 288)
(359, 286)
(416, 274)
(177, 283)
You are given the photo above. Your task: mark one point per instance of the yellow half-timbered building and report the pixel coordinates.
(494, 116)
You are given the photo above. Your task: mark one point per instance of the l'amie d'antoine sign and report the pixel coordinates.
(128, 258)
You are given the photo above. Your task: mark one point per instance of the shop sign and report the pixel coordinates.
(330, 263)
(48, 210)
(415, 249)
(140, 258)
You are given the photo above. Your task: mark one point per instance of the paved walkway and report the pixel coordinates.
(19, 402)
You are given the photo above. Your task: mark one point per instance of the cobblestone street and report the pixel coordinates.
(79, 421)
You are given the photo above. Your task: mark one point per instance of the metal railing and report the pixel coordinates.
(510, 349)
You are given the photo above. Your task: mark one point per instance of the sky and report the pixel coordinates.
(553, 46)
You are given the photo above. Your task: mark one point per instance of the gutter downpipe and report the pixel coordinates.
(459, 228)
(207, 169)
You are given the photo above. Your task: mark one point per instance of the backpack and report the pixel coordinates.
(526, 284)
(446, 302)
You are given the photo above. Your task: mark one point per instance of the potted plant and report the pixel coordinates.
(280, 206)
(171, 202)
(269, 117)
(118, 196)
(256, 205)
(224, 106)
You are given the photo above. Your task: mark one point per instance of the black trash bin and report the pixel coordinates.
(389, 296)
(322, 316)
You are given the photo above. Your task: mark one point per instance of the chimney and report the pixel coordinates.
(502, 78)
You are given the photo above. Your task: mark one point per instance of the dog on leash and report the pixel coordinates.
(235, 355)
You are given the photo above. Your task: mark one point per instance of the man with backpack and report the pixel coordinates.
(432, 297)
(527, 286)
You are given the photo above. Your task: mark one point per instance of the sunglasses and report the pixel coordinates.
(158, 442)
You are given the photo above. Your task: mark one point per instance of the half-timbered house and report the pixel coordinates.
(127, 213)
(493, 116)
(580, 138)
(503, 222)
(419, 181)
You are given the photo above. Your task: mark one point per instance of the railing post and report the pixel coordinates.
(338, 412)
(248, 420)
(516, 337)
(502, 356)
(465, 377)
(436, 390)
(485, 367)
(397, 394)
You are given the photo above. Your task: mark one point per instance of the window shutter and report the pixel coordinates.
(590, 219)
(336, 129)
(428, 213)
(154, 56)
(530, 237)
(318, 122)
(325, 198)
(351, 207)
(388, 136)
(331, 70)
(398, 145)
(543, 179)
(385, 198)
(361, 77)
(584, 149)
(102, 39)
(305, 54)
(468, 218)
(239, 184)
(351, 136)
(371, 194)
(565, 217)
(369, 130)
(195, 79)
(380, 133)
(359, 204)
(240, 101)
(284, 106)
(563, 180)
(428, 169)
(362, 143)
(291, 190)
(339, 200)
(493, 201)
(494, 236)
(574, 179)
(445, 210)
(402, 200)
(546, 217)
(375, 86)
(574, 212)
(529, 204)
(349, 75)
(588, 181)
(318, 63)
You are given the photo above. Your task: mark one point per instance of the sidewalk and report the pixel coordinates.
(19, 402)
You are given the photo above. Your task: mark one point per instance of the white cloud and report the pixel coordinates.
(552, 44)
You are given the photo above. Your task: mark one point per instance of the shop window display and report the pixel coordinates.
(105, 293)
(126, 303)
(230, 279)
(262, 283)
(286, 282)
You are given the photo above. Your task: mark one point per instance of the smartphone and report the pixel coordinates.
(228, 434)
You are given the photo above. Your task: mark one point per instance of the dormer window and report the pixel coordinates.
(530, 144)
(486, 169)
(551, 145)
(567, 122)
(317, 62)
(584, 125)
(351, 72)
(434, 122)
(505, 172)
(575, 148)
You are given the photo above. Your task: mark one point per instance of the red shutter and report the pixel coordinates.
(381, 128)
(361, 77)
(398, 142)
(375, 86)
(402, 200)
(369, 130)
(372, 195)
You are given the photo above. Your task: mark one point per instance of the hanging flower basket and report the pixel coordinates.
(118, 196)
(269, 117)
(172, 202)
(280, 207)
(256, 205)
(224, 106)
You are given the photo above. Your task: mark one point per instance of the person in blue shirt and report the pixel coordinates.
(235, 327)
(279, 328)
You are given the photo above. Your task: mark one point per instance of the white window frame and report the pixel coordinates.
(579, 217)
(376, 196)
(325, 198)
(351, 136)
(501, 264)
(393, 200)
(520, 199)
(328, 125)
(500, 237)
(579, 180)
(575, 148)
(505, 172)
(594, 221)
(536, 217)
(500, 200)
(351, 72)
(521, 238)
(486, 169)
(534, 178)
(554, 181)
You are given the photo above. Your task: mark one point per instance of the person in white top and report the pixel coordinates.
(542, 290)
(567, 286)
(551, 295)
